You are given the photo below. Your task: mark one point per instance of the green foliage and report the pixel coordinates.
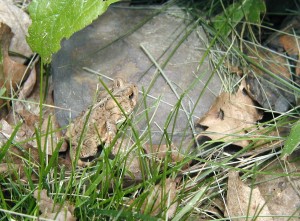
(292, 141)
(6, 146)
(2, 91)
(255, 8)
(233, 14)
(57, 19)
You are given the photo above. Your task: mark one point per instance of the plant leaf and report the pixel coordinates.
(256, 8)
(234, 13)
(2, 91)
(292, 141)
(57, 19)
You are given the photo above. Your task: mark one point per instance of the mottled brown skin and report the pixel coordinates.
(101, 127)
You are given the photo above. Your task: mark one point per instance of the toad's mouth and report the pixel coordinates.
(96, 156)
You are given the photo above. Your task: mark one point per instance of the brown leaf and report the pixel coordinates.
(24, 133)
(161, 199)
(231, 116)
(18, 21)
(7, 129)
(15, 157)
(244, 201)
(287, 41)
(19, 104)
(281, 192)
(29, 114)
(50, 210)
(27, 152)
(11, 72)
(271, 61)
(268, 91)
(290, 44)
(29, 84)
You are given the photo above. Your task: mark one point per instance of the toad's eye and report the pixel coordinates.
(131, 95)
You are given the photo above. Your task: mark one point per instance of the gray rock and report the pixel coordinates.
(112, 46)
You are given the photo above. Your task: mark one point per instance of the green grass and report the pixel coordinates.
(103, 191)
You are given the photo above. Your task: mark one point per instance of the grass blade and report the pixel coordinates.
(5, 148)
(190, 205)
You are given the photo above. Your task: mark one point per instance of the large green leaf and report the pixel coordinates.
(57, 19)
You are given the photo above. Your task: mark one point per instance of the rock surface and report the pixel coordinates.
(112, 46)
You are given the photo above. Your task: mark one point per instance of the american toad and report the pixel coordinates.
(99, 121)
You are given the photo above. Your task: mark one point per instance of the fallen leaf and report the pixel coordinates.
(269, 91)
(28, 113)
(50, 210)
(278, 39)
(28, 85)
(280, 187)
(286, 40)
(290, 44)
(20, 104)
(7, 129)
(14, 159)
(243, 201)
(161, 199)
(11, 72)
(230, 117)
(18, 21)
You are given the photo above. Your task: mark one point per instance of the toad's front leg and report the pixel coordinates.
(111, 131)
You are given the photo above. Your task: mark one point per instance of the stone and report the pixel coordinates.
(112, 45)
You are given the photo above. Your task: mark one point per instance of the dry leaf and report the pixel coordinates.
(161, 199)
(230, 117)
(15, 157)
(244, 201)
(6, 130)
(29, 114)
(11, 72)
(290, 44)
(271, 61)
(19, 22)
(28, 85)
(268, 91)
(19, 105)
(50, 210)
(282, 192)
